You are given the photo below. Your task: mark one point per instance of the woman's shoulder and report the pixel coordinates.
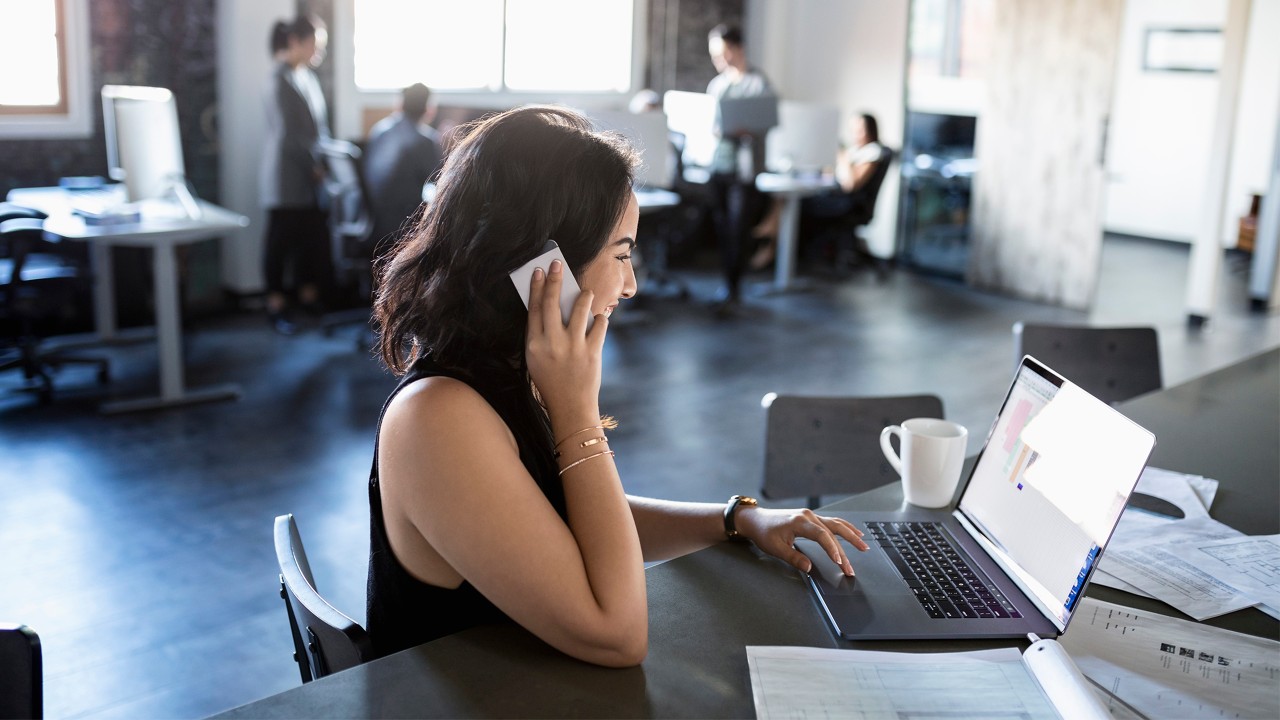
(438, 396)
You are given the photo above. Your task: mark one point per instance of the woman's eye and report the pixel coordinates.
(625, 258)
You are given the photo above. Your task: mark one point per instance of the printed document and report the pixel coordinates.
(1157, 666)
(795, 683)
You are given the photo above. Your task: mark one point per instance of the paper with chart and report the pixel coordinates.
(1165, 568)
(1250, 564)
(1192, 494)
(795, 683)
(1166, 667)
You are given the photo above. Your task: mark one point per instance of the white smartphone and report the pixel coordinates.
(569, 290)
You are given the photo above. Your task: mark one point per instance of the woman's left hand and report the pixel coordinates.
(775, 532)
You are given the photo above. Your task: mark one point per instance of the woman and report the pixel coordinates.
(296, 236)
(855, 197)
(493, 494)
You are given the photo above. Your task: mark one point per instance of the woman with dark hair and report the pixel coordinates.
(853, 199)
(493, 494)
(295, 246)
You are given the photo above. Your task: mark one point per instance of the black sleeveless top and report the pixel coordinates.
(403, 611)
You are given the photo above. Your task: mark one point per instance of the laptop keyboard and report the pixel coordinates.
(945, 585)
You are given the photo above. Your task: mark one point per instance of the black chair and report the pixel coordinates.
(324, 640)
(21, 673)
(351, 235)
(817, 446)
(851, 247)
(1112, 363)
(40, 281)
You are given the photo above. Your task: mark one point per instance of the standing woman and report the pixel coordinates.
(297, 233)
(493, 495)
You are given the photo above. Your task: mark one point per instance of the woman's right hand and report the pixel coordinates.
(564, 360)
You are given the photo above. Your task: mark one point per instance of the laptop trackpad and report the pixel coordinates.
(828, 574)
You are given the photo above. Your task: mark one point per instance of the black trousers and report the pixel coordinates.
(736, 207)
(297, 249)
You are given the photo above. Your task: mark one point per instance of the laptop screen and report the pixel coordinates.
(1048, 489)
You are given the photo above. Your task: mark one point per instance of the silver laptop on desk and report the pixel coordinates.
(1015, 556)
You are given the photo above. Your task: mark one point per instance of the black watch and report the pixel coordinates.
(731, 508)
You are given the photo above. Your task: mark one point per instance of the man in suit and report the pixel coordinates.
(403, 154)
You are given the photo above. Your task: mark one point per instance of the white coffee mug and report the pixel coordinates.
(932, 455)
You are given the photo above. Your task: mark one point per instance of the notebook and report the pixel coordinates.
(1037, 509)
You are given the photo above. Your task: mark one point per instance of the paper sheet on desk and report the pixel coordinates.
(1166, 667)
(1250, 564)
(1192, 494)
(796, 683)
(1164, 567)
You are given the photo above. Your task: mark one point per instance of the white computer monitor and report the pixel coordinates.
(144, 144)
(693, 115)
(647, 132)
(807, 138)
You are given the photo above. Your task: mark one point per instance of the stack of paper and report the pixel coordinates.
(1196, 564)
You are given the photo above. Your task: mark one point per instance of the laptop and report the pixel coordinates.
(1015, 556)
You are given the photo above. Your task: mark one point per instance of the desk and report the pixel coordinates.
(162, 230)
(705, 608)
(791, 189)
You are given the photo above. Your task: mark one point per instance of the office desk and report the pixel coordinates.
(705, 608)
(162, 230)
(791, 189)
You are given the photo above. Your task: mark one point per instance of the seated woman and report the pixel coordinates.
(493, 495)
(855, 198)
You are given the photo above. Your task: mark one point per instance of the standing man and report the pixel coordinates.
(403, 153)
(737, 160)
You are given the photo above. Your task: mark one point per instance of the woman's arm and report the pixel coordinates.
(670, 529)
(850, 174)
(460, 505)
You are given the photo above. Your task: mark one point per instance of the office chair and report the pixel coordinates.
(21, 673)
(351, 234)
(324, 640)
(1112, 364)
(39, 281)
(817, 446)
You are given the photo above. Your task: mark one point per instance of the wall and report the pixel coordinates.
(1163, 123)
(1256, 116)
(848, 52)
(1160, 128)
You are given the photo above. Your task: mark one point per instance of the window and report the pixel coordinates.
(495, 45)
(44, 86)
(31, 38)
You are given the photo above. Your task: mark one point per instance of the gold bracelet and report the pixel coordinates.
(585, 429)
(575, 463)
(584, 444)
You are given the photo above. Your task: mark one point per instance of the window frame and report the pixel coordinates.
(72, 117)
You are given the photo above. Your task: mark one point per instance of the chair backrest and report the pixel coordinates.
(324, 640)
(868, 194)
(818, 446)
(1113, 364)
(350, 215)
(21, 674)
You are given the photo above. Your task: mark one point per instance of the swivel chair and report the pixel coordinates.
(351, 234)
(817, 446)
(1111, 363)
(324, 639)
(21, 673)
(851, 247)
(39, 282)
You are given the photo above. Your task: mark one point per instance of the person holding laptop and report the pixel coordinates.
(738, 159)
(493, 494)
